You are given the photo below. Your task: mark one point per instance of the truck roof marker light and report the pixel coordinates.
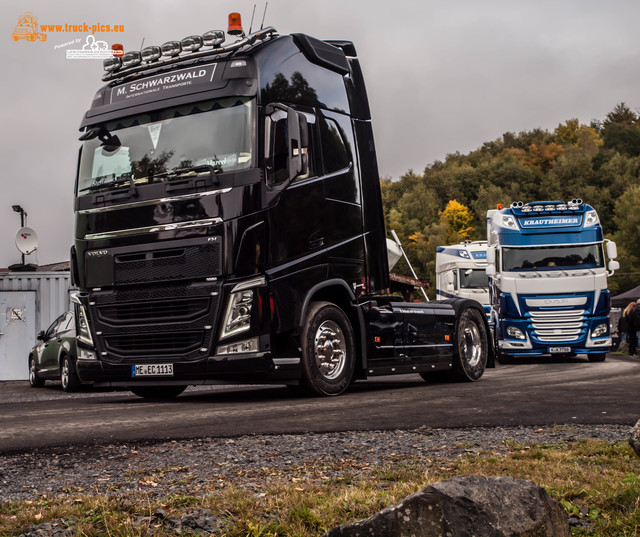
(538, 208)
(213, 38)
(526, 209)
(112, 64)
(561, 207)
(499, 206)
(151, 54)
(171, 48)
(191, 43)
(131, 58)
(235, 24)
(549, 207)
(118, 49)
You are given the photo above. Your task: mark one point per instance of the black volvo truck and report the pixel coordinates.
(229, 227)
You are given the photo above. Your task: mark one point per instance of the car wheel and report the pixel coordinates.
(471, 349)
(69, 375)
(157, 392)
(600, 357)
(34, 380)
(328, 350)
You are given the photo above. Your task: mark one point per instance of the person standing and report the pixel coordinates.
(633, 326)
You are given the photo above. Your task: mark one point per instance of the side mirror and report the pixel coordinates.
(612, 250)
(41, 335)
(490, 270)
(613, 266)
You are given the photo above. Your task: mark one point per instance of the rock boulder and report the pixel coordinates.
(467, 506)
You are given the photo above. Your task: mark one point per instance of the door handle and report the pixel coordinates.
(316, 243)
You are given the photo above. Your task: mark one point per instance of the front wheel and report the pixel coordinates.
(328, 350)
(600, 357)
(471, 346)
(68, 375)
(157, 392)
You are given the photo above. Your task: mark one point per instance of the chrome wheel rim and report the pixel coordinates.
(471, 344)
(65, 373)
(32, 372)
(330, 350)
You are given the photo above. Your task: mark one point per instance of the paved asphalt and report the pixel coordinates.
(533, 392)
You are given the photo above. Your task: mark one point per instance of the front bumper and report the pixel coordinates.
(253, 368)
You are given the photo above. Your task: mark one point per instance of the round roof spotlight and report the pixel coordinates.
(118, 49)
(131, 59)
(171, 48)
(191, 43)
(213, 38)
(151, 54)
(112, 64)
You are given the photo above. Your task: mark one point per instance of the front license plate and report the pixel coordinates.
(152, 370)
(559, 350)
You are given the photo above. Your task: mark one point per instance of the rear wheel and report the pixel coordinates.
(157, 392)
(69, 375)
(600, 357)
(34, 380)
(328, 350)
(471, 346)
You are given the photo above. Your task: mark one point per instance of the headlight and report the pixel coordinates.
(514, 332)
(237, 318)
(591, 219)
(509, 221)
(84, 332)
(600, 330)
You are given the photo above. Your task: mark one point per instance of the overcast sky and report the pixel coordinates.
(442, 77)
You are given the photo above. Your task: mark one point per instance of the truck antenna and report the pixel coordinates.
(142, 44)
(395, 238)
(264, 14)
(252, 15)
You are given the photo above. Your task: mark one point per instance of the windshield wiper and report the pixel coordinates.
(180, 173)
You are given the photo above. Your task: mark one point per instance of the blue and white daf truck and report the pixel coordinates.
(460, 272)
(548, 280)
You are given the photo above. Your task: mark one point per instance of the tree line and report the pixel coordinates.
(448, 202)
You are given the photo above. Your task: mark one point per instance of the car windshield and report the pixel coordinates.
(161, 145)
(473, 279)
(553, 257)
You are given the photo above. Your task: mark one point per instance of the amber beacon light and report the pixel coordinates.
(235, 24)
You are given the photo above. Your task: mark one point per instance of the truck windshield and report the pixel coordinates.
(158, 145)
(473, 279)
(553, 257)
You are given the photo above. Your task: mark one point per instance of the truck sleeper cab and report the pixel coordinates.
(548, 280)
(229, 227)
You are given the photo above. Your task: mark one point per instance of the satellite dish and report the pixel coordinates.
(27, 240)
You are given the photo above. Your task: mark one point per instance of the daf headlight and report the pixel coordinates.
(514, 332)
(84, 332)
(600, 330)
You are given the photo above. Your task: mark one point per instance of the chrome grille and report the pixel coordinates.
(554, 326)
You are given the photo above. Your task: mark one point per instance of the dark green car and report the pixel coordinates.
(54, 358)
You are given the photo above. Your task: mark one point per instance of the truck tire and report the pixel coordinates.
(600, 357)
(68, 374)
(471, 346)
(157, 392)
(328, 350)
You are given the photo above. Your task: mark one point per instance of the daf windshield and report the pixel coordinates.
(158, 145)
(553, 257)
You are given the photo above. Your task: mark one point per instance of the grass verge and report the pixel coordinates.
(597, 482)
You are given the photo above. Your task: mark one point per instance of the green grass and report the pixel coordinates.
(598, 483)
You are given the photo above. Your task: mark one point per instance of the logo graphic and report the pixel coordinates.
(91, 50)
(27, 28)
